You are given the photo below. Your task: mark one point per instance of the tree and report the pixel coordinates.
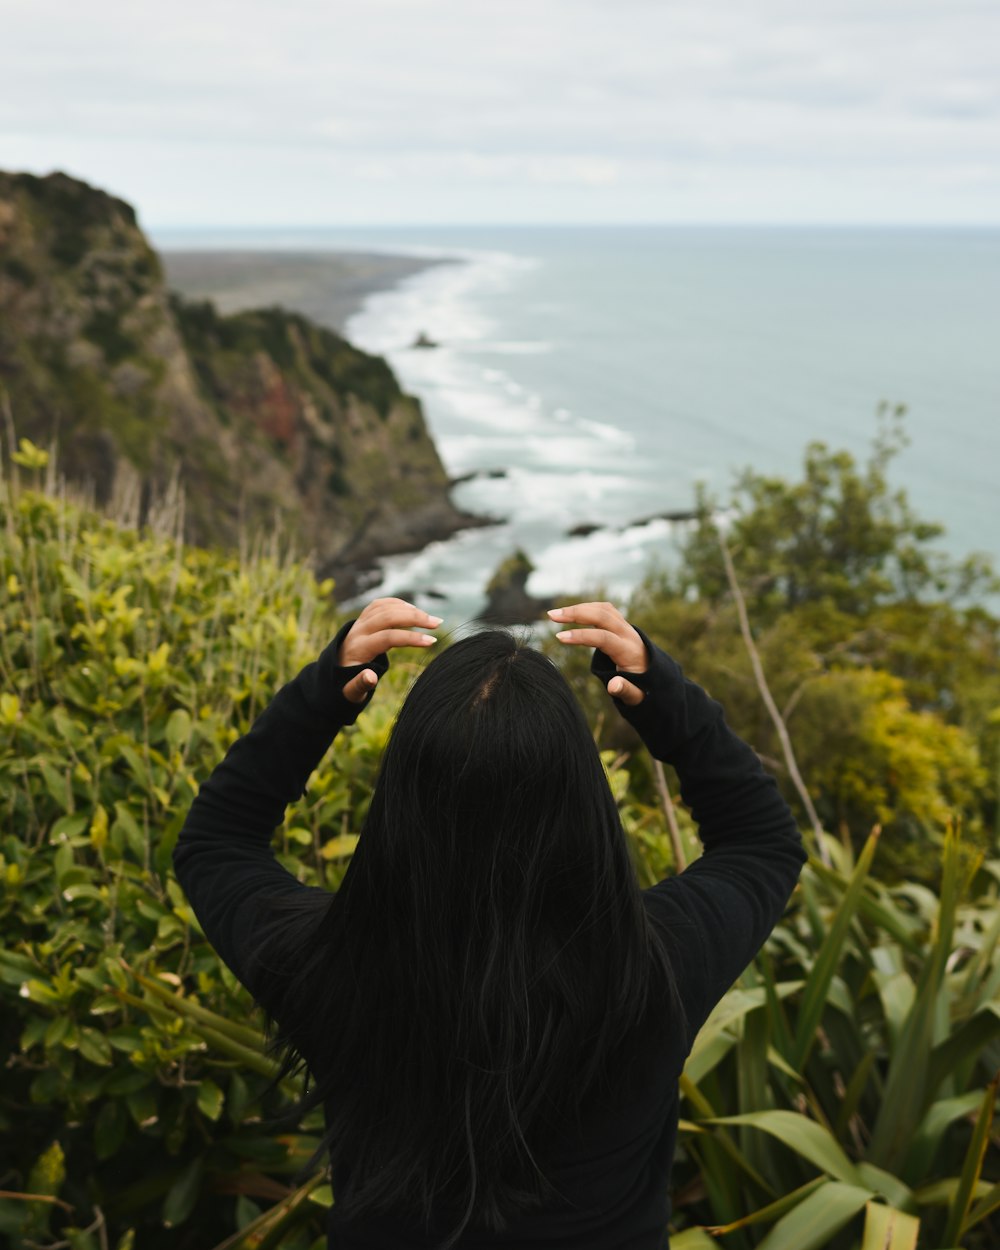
(839, 536)
(885, 667)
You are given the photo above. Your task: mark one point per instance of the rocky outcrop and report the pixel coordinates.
(507, 598)
(264, 412)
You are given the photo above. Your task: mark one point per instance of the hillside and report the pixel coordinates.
(261, 413)
(138, 1111)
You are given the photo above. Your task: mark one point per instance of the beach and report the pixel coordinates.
(329, 288)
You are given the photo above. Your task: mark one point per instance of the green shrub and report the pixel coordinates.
(858, 1051)
(129, 666)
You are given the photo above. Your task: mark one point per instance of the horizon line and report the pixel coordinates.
(580, 225)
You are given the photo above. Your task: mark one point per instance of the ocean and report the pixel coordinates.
(590, 377)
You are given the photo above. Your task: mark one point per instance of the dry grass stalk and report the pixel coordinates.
(769, 703)
(680, 859)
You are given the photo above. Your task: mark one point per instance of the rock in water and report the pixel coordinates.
(508, 602)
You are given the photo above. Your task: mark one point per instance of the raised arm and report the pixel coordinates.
(223, 858)
(718, 913)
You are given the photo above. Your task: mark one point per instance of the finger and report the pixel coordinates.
(359, 688)
(362, 646)
(610, 633)
(383, 639)
(603, 639)
(600, 615)
(625, 691)
(395, 613)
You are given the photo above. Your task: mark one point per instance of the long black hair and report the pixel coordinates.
(486, 956)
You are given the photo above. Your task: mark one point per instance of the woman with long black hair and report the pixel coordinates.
(491, 1012)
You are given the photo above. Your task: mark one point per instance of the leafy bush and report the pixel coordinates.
(878, 648)
(129, 666)
(137, 1106)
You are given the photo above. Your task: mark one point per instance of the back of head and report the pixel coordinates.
(488, 951)
(492, 793)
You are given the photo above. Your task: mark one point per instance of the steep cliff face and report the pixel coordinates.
(262, 410)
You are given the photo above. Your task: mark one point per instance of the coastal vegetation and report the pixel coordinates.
(880, 651)
(842, 1093)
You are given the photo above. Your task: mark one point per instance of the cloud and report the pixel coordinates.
(565, 95)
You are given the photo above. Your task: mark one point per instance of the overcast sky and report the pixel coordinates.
(300, 112)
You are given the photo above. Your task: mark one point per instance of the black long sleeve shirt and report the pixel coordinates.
(714, 917)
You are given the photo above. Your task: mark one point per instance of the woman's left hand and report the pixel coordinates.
(383, 624)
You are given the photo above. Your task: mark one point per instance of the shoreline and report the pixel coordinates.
(328, 287)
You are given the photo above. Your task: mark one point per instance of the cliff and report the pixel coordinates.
(261, 412)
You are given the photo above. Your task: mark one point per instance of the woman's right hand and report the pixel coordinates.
(608, 631)
(383, 624)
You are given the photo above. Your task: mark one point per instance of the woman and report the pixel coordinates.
(492, 1013)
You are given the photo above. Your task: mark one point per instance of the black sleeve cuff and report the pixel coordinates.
(603, 666)
(333, 677)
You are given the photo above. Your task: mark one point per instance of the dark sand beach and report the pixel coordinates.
(326, 286)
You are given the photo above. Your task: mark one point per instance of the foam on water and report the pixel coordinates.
(483, 417)
(715, 350)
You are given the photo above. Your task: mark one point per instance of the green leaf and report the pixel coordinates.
(57, 785)
(109, 1129)
(886, 1228)
(930, 1134)
(817, 989)
(813, 1223)
(143, 1103)
(340, 847)
(83, 890)
(886, 1186)
(905, 1094)
(942, 1193)
(971, 1167)
(987, 1204)
(717, 1034)
(95, 1047)
(770, 1213)
(692, 1239)
(138, 766)
(209, 1099)
(966, 1042)
(183, 1194)
(246, 1211)
(57, 1030)
(807, 1138)
(178, 732)
(852, 1095)
(237, 1098)
(69, 826)
(720, 1174)
(48, 1171)
(126, 826)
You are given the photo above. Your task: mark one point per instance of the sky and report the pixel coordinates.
(260, 113)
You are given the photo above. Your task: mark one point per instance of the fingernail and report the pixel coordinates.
(564, 634)
(555, 612)
(615, 685)
(369, 679)
(428, 638)
(435, 620)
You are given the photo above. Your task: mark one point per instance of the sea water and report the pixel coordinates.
(591, 377)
